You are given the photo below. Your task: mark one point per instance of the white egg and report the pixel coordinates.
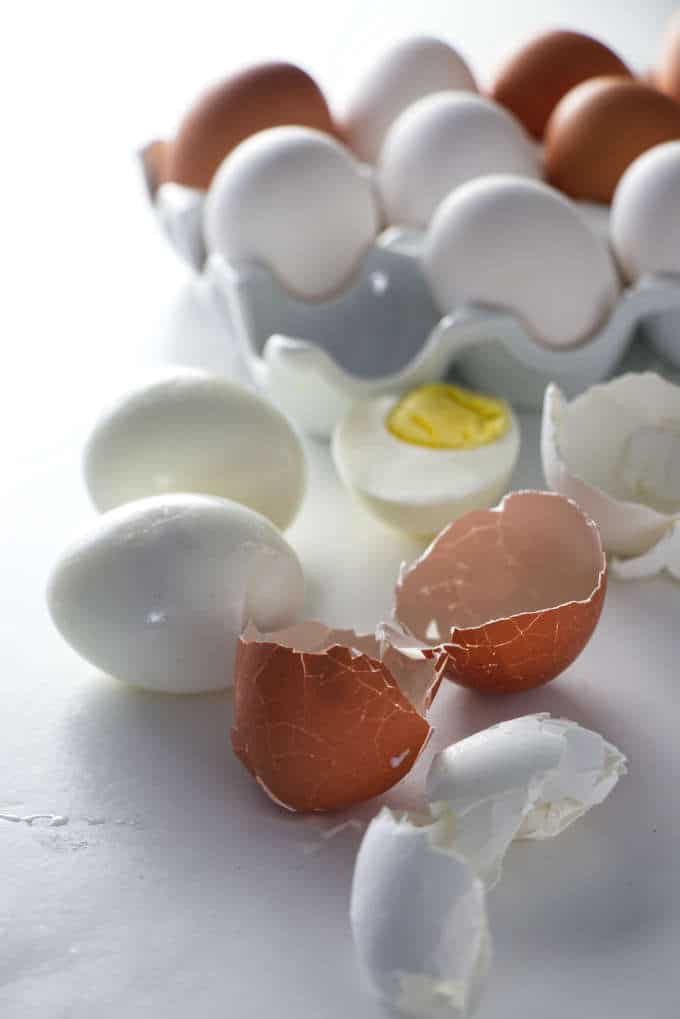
(442, 141)
(156, 592)
(529, 778)
(407, 71)
(645, 214)
(192, 432)
(415, 488)
(297, 201)
(520, 245)
(628, 480)
(418, 917)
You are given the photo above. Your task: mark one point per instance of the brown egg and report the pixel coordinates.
(327, 718)
(534, 80)
(507, 597)
(259, 97)
(154, 157)
(668, 74)
(598, 129)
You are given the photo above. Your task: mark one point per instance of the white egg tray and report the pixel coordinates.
(384, 334)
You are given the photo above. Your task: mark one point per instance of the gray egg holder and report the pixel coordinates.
(383, 334)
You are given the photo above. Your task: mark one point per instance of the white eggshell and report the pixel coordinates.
(405, 72)
(297, 201)
(192, 432)
(412, 488)
(156, 592)
(518, 244)
(528, 778)
(628, 480)
(645, 214)
(442, 141)
(418, 918)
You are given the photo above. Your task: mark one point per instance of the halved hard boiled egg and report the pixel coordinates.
(420, 461)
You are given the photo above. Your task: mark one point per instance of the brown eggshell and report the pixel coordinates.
(668, 74)
(257, 98)
(154, 158)
(598, 129)
(507, 597)
(534, 80)
(326, 718)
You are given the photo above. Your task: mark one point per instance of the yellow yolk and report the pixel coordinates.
(443, 416)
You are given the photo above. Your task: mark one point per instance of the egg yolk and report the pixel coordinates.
(443, 416)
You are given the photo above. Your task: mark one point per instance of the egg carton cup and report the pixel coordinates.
(384, 334)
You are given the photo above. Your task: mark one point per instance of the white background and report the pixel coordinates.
(173, 885)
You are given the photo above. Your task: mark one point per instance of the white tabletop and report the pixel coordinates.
(161, 880)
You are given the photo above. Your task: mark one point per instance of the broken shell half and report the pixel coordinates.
(616, 450)
(528, 778)
(507, 597)
(418, 918)
(327, 718)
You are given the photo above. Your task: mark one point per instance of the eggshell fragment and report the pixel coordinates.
(251, 100)
(598, 129)
(327, 718)
(534, 79)
(529, 778)
(629, 480)
(439, 143)
(406, 72)
(188, 431)
(645, 213)
(418, 917)
(508, 597)
(157, 591)
(298, 202)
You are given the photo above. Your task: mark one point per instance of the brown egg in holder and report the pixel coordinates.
(507, 597)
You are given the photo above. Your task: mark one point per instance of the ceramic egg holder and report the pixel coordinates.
(383, 334)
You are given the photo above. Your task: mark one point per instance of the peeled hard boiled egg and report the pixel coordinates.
(251, 100)
(156, 592)
(192, 432)
(629, 479)
(645, 215)
(406, 72)
(297, 201)
(418, 916)
(520, 245)
(419, 461)
(442, 141)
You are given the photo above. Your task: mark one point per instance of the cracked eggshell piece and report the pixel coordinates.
(629, 479)
(411, 487)
(188, 431)
(418, 917)
(507, 597)
(405, 72)
(517, 244)
(297, 201)
(528, 778)
(156, 592)
(442, 141)
(327, 718)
